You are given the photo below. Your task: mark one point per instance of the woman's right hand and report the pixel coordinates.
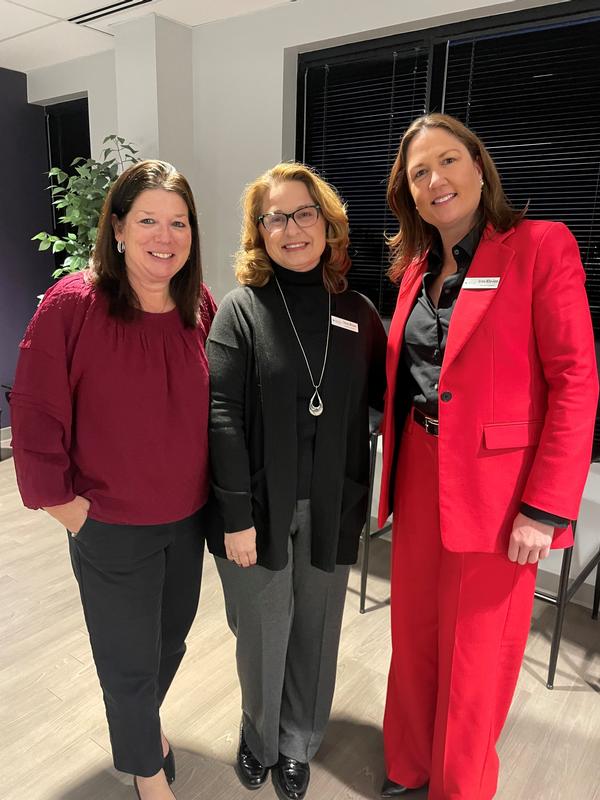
(71, 515)
(241, 547)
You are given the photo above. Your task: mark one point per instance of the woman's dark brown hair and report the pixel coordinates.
(108, 265)
(415, 236)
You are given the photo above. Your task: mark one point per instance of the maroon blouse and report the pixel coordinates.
(111, 410)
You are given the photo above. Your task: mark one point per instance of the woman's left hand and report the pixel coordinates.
(530, 540)
(240, 547)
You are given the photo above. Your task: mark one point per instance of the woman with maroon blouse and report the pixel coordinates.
(109, 421)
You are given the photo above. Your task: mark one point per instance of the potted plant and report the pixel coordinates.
(79, 198)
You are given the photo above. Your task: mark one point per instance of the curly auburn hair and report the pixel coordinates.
(252, 264)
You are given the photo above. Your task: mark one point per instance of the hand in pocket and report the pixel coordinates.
(71, 515)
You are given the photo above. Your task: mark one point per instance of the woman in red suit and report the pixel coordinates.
(488, 425)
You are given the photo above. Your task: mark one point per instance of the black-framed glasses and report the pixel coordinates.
(304, 217)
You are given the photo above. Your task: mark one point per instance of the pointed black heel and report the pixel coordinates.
(169, 766)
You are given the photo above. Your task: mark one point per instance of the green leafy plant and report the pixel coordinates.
(79, 198)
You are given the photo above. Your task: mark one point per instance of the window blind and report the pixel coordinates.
(355, 114)
(534, 99)
(530, 89)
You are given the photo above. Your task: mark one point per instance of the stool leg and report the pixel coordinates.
(596, 604)
(561, 607)
(364, 570)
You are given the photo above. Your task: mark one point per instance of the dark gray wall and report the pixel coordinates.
(25, 210)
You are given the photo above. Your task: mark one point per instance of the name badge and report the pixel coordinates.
(347, 324)
(481, 283)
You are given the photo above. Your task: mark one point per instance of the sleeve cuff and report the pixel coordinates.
(544, 516)
(236, 508)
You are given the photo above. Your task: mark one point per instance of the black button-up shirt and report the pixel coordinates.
(426, 334)
(427, 327)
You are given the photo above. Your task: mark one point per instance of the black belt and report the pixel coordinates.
(431, 425)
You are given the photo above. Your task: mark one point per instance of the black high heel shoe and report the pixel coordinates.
(169, 766)
(392, 789)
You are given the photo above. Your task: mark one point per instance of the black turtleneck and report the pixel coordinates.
(307, 300)
(267, 451)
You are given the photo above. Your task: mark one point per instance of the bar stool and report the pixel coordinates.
(560, 600)
(563, 597)
(368, 534)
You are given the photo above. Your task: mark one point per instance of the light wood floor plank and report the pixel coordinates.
(54, 739)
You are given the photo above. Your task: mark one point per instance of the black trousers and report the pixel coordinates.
(139, 587)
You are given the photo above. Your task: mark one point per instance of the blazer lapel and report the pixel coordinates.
(409, 288)
(492, 260)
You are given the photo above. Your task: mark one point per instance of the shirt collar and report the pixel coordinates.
(466, 250)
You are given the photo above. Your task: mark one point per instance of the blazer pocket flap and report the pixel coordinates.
(504, 435)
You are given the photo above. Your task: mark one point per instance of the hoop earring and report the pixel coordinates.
(120, 246)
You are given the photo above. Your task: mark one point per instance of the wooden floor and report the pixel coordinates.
(53, 733)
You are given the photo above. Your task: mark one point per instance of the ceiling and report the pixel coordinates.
(38, 33)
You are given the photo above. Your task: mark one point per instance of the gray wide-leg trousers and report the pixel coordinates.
(287, 624)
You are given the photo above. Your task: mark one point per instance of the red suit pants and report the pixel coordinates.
(460, 623)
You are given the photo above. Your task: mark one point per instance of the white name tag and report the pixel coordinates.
(481, 283)
(347, 324)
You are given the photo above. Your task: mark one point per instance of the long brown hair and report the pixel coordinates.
(108, 265)
(252, 263)
(415, 236)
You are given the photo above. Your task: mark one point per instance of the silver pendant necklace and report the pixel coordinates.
(315, 405)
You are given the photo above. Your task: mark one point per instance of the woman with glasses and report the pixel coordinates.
(295, 360)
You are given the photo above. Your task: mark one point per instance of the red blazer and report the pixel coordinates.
(518, 388)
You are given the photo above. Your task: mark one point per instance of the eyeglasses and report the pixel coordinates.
(304, 217)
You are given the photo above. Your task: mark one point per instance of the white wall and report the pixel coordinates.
(245, 101)
(93, 76)
(136, 80)
(175, 95)
(245, 93)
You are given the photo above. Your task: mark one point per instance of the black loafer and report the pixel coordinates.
(250, 771)
(391, 789)
(291, 778)
(169, 766)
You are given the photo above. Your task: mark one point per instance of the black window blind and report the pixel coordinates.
(531, 92)
(534, 99)
(356, 112)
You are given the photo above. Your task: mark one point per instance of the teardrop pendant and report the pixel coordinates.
(316, 404)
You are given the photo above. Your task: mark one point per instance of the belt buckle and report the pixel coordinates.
(429, 426)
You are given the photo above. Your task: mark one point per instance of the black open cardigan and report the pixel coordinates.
(252, 430)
